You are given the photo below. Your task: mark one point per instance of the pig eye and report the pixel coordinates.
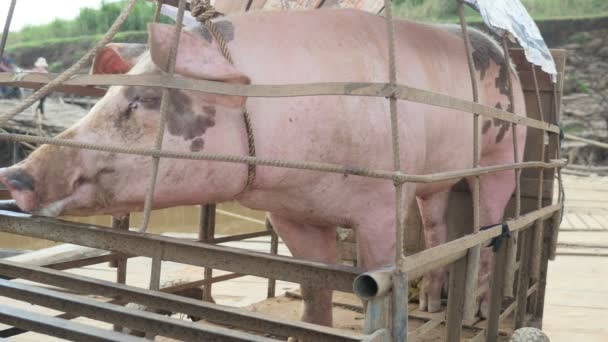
(132, 106)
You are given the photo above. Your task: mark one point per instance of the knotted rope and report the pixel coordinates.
(203, 11)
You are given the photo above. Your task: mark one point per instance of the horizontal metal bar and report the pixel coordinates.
(401, 92)
(240, 237)
(60, 328)
(211, 312)
(301, 165)
(337, 277)
(442, 255)
(116, 314)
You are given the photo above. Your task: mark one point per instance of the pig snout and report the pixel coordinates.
(21, 185)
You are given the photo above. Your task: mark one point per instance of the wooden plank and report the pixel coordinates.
(423, 329)
(57, 254)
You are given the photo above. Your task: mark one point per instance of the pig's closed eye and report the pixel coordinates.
(130, 108)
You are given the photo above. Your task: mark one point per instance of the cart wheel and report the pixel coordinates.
(528, 335)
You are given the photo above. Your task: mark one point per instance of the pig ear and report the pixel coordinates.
(196, 58)
(117, 58)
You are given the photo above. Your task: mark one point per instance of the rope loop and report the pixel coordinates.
(203, 11)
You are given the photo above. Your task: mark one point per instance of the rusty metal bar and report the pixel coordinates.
(240, 237)
(215, 313)
(116, 314)
(60, 328)
(7, 27)
(401, 92)
(338, 277)
(164, 108)
(512, 243)
(312, 166)
(121, 223)
(446, 253)
(496, 293)
(527, 238)
(274, 249)
(399, 295)
(207, 234)
(472, 268)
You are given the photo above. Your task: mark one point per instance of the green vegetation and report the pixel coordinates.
(445, 10)
(61, 53)
(63, 41)
(89, 22)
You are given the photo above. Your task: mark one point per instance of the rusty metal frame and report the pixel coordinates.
(271, 266)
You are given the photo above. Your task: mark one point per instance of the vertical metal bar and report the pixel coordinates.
(400, 295)
(274, 249)
(400, 303)
(375, 314)
(163, 117)
(472, 269)
(455, 309)
(206, 234)
(538, 228)
(512, 243)
(7, 27)
(121, 223)
(159, 5)
(523, 281)
(538, 300)
(496, 294)
(155, 278)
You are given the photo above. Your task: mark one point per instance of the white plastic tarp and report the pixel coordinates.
(510, 16)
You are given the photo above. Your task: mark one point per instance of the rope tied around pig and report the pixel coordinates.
(204, 12)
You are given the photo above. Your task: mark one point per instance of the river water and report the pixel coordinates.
(178, 219)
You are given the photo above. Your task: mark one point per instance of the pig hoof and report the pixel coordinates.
(429, 303)
(484, 306)
(434, 304)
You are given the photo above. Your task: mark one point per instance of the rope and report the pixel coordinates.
(158, 144)
(84, 60)
(203, 11)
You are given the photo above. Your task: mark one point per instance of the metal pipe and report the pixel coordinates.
(374, 284)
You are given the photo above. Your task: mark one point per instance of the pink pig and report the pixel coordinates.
(305, 207)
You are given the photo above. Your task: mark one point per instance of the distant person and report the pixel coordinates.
(41, 66)
(7, 65)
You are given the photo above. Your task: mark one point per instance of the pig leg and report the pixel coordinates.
(495, 190)
(433, 211)
(316, 244)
